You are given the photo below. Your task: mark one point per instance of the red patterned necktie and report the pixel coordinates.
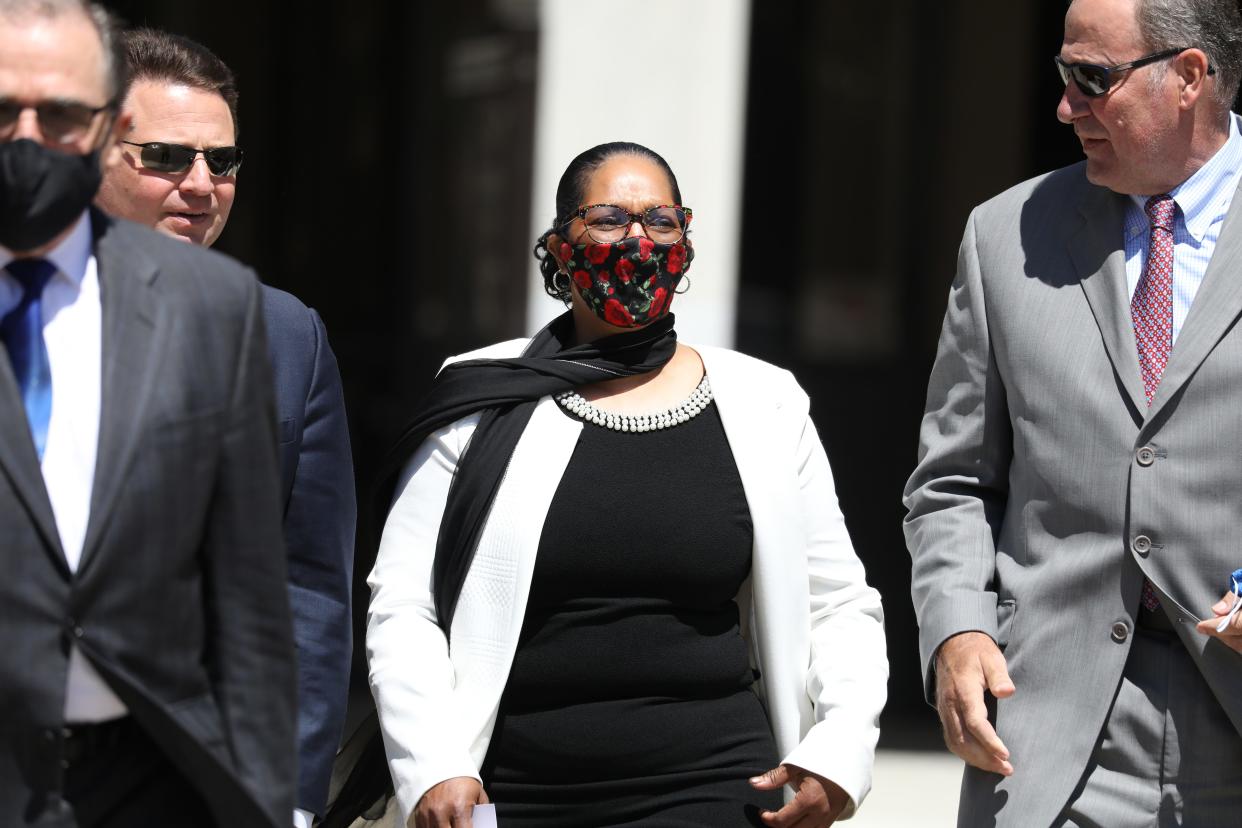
(1151, 309)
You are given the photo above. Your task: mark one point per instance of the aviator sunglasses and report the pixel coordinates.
(175, 158)
(1094, 80)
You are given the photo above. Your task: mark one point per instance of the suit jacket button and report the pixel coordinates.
(1146, 456)
(1120, 631)
(1141, 544)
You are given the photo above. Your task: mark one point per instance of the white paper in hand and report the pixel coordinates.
(484, 816)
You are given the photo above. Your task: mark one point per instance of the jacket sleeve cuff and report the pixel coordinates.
(837, 753)
(963, 612)
(412, 786)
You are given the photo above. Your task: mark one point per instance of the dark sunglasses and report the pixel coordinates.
(1094, 80)
(175, 158)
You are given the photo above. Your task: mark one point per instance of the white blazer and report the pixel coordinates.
(814, 627)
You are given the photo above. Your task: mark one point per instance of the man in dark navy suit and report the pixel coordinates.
(178, 173)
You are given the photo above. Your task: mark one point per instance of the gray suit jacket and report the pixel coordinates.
(179, 599)
(1031, 485)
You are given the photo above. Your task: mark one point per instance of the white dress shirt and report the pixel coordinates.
(72, 330)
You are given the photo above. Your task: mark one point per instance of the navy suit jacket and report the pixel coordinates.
(320, 511)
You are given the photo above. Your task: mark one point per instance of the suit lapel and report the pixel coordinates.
(493, 599)
(20, 464)
(755, 425)
(1099, 258)
(743, 415)
(134, 330)
(1216, 306)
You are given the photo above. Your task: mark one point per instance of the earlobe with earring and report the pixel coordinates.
(561, 282)
(685, 280)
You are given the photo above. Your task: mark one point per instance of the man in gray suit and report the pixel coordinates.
(147, 675)
(1075, 508)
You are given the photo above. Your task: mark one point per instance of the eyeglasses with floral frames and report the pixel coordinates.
(608, 223)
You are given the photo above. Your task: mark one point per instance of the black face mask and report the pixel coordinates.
(42, 191)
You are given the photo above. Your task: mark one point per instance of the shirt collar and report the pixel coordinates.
(1204, 196)
(71, 256)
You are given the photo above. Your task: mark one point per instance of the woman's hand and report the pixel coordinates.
(817, 801)
(449, 804)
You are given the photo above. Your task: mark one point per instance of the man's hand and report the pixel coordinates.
(817, 801)
(1231, 636)
(967, 664)
(449, 804)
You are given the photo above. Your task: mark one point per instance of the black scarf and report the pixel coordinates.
(506, 391)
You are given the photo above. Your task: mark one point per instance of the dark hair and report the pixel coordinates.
(1215, 26)
(106, 24)
(154, 55)
(569, 198)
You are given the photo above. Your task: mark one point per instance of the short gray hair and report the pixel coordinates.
(107, 26)
(1215, 26)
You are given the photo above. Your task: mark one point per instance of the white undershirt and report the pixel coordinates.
(72, 330)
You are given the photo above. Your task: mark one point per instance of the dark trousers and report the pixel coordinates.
(115, 777)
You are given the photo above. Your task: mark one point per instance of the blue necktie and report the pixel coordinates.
(22, 333)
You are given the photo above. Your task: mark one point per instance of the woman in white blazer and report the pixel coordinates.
(599, 617)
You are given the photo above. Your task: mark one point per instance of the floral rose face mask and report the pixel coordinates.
(627, 283)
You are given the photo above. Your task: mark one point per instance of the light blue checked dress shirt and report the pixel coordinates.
(1202, 202)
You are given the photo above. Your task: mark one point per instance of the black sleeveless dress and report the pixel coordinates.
(630, 701)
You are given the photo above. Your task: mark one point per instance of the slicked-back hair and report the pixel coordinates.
(1215, 26)
(569, 198)
(106, 24)
(163, 57)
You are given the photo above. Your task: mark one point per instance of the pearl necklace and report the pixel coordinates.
(574, 403)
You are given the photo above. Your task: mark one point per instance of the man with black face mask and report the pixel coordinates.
(147, 672)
